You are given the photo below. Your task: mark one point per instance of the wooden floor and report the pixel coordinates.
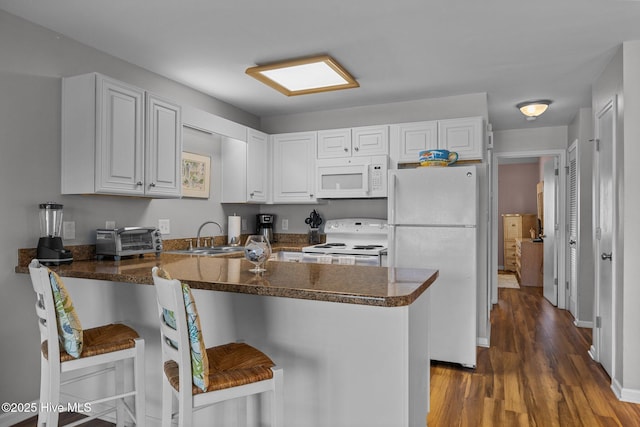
(537, 372)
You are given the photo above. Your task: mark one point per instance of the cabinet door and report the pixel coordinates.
(163, 149)
(233, 153)
(120, 143)
(464, 136)
(334, 143)
(414, 138)
(257, 171)
(294, 167)
(370, 141)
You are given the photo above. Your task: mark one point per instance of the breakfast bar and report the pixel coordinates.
(352, 340)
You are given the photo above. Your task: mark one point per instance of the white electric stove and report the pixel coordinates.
(360, 241)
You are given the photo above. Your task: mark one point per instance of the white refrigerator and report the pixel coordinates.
(433, 223)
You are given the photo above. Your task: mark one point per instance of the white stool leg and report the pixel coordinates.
(53, 395)
(167, 402)
(277, 408)
(119, 389)
(139, 383)
(44, 390)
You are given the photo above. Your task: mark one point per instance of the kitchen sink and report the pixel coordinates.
(216, 250)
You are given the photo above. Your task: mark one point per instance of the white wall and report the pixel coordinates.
(630, 230)
(33, 61)
(534, 139)
(621, 78)
(451, 107)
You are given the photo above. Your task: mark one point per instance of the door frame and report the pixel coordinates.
(561, 154)
(611, 104)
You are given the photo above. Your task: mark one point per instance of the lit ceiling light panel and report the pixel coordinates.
(304, 76)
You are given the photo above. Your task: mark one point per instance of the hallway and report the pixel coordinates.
(536, 373)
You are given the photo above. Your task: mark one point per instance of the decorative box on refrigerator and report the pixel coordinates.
(433, 223)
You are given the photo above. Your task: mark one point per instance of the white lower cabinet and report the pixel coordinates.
(109, 144)
(294, 157)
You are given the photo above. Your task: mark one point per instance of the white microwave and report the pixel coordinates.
(351, 177)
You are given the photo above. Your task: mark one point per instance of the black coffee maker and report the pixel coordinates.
(50, 250)
(265, 226)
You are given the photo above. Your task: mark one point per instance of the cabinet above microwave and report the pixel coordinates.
(351, 177)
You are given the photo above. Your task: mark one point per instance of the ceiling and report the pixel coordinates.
(397, 50)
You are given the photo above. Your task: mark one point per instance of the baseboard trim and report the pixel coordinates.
(625, 394)
(583, 323)
(482, 342)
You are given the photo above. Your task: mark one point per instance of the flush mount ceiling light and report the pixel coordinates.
(533, 109)
(303, 76)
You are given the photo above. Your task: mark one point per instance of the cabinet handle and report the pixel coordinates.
(251, 195)
(606, 256)
(356, 148)
(346, 149)
(139, 183)
(153, 184)
(572, 242)
(311, 196)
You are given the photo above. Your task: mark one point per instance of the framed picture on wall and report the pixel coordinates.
(196, 175)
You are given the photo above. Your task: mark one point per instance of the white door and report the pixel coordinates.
(605, 140)
(573, 230)
(550, 288)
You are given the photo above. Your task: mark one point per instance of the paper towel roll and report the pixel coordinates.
(233, 234)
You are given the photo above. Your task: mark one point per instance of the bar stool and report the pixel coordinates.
(106, 346)
(198, 376)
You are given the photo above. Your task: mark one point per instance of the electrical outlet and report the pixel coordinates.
(110, 224)
(164, 225)
(285, 224)
(68, 230)
(244, 224)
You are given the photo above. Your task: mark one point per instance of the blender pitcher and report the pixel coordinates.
(50, 250)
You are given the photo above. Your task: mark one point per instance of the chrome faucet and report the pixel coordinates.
(200, 229)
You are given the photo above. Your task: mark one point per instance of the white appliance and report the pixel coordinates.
(351, 177)
(359, 241)
(433, 223)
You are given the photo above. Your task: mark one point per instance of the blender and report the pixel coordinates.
(50, 250)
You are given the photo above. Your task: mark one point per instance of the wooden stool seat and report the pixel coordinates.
(100, 340)
(230, 365)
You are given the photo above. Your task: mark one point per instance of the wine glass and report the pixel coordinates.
(257, 250)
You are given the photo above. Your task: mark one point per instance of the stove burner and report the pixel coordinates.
(366, 247)
(329, 245)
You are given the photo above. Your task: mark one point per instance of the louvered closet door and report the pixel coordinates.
(573, 231)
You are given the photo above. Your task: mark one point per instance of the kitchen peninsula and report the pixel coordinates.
(352, 340)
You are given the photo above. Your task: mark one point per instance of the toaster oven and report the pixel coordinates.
(127, 241)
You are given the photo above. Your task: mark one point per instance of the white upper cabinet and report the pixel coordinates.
(257, 166)
(245, 170)
(412, 138)
(360, 141)
(104, 150)
(163, 148)
(464, 136)
(370, 141)
(294, 157)
(334, 143)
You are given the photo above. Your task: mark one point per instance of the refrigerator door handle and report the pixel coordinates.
(391, 246)
(391, 199)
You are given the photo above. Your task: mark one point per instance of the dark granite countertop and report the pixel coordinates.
(377, 286)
